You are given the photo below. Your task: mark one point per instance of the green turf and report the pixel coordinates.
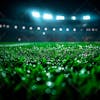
(55, 70)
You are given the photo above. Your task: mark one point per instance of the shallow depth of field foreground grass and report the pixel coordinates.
(51, 71)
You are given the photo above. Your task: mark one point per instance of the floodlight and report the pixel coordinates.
(19, 39)
(43, 33)
(54, 29)
(36, 14)
(0, 26)
(45, 28)
(30, 28)
(74, 29)
(7, 26)
(60, 18)
(67, 29)
(38, 28)
(93, 29)
(4, 25)
(87, 17)
(60, 29)
(47, 16)
(73, 17)
(15, 27)
(88, 29)
(23, 27)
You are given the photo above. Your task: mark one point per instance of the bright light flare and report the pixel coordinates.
(73, 18)
(19, 39)
(45, 28)
(74, 29)
(43, 33)
(47, 17)
(23, 27)
(36, 14)
(88, 29)
(0, 26)
(7, 26)
(30, 28)
(87, 17)
(15, 27)
(67, 29)
(60, 29)
(60, 18)
(54, 29)
(38, 28)
(4, 25)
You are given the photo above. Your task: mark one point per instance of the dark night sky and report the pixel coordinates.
(10, 7)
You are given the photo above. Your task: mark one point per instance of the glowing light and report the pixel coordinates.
(82, 71)
(0, 26)
(30, 28)
(36, 14)
(43, 33)
(19, 39)
(93, 29)
(4, 25)
(74, 29)
(38, 78)
(38, 28)
(3, 74)
(87, 17)
(67, 29)
(60, 18)
(47, 16)
(54, 29)
(45, 28)
(88, 29)
(23, 27)
(60, 29)
(49, 83)
(73, 17)
(15, 27)
(7, 26)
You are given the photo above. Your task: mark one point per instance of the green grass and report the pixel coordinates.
(55, 70)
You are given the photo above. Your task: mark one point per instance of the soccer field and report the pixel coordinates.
(52, 70)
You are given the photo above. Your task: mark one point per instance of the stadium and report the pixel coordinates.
(49, 49)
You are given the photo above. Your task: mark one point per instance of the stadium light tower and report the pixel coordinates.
(87, 17)
(73, 18)
(36, 14)
(47, 17)
(60, 18)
